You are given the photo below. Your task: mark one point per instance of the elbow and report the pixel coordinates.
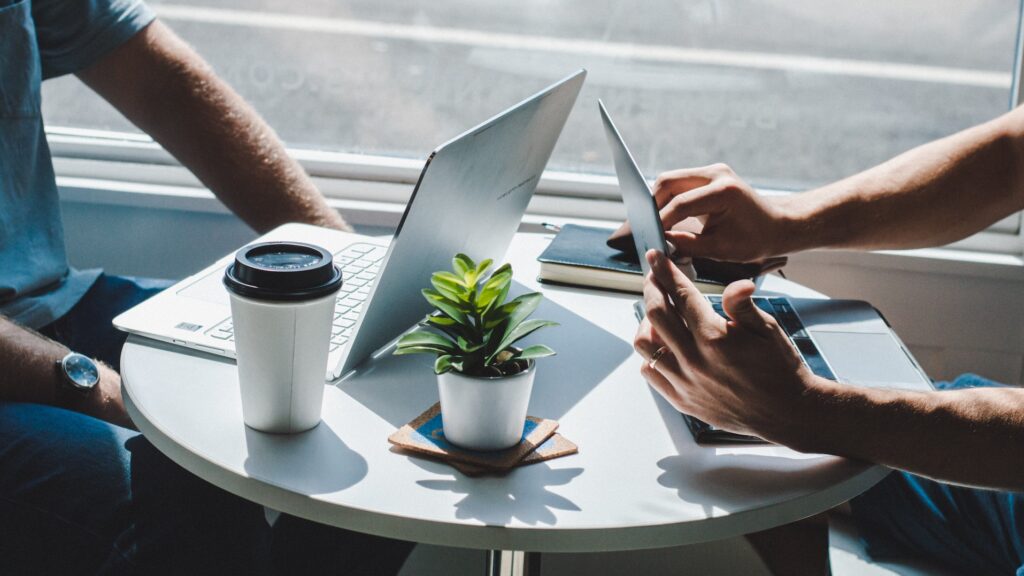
(1007, 145)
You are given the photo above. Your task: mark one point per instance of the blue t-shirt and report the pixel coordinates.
(42, 39)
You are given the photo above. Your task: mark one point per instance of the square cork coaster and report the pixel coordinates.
(554, 447)
(425, 435)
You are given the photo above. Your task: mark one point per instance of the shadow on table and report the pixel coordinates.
(728, 478)
(399, 388)
(313, 462)
(730, 482)
(524, 495)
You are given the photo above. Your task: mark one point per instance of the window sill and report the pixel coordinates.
(937, 261)
(542, 209)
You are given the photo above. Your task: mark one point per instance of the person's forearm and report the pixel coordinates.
(168, 91)
(972, 437)
(932, 195)
(30, 374)
(29, 361)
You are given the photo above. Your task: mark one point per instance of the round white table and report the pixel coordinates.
(639, 480)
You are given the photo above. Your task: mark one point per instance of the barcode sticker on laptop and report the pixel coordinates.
(188, 326)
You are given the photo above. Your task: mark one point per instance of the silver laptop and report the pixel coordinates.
(470, 198)
(842, 340)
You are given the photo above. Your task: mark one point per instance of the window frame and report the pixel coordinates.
(385, 182)
(376, 187)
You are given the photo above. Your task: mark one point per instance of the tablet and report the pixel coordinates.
(641, 209)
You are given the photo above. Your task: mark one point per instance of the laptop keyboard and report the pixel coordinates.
(359, 264)
(783, 312)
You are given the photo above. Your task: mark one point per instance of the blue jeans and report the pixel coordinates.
(80, 496)
(966, 529)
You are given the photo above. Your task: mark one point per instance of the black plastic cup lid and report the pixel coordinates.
(284, 271)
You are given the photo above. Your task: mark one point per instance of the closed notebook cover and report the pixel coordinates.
(586, 247)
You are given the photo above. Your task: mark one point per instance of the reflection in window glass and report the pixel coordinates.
(791, 94)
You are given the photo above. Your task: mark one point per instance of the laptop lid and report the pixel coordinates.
(470, 198)
(641, 209)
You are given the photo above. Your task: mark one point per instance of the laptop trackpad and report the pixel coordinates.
(875, 360)
(209, 288)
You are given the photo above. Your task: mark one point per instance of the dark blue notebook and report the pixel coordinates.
(580, 256)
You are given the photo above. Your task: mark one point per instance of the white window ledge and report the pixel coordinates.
(933, 261)
(542, 209)
(373, 190)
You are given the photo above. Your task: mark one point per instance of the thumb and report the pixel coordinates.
(741, 309)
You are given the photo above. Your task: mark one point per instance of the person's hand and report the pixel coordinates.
(741, 375)
(107, 400)
(104, 401)
(739, 224)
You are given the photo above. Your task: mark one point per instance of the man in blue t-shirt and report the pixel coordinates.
(80, 492)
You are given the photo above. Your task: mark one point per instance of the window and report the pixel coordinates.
(791, 94)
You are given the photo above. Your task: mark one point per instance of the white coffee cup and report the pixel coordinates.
(282, 307)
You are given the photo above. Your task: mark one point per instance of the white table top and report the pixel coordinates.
(639, 480)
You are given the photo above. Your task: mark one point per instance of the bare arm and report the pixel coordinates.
(932, 195)
(30, 374)
(973, 437)
(935, 194)
(168, 91)
(744, 375)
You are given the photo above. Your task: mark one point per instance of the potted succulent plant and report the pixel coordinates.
(483, 379)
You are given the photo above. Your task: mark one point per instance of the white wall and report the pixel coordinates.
(956, 317)
(148, 242)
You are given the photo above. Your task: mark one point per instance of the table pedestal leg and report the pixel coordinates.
(513, 563)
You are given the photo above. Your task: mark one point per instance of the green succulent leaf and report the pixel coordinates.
(468, 347)
(462, 265)
(422, 341)
(448, 363)
(497, 316)
(424, 337)
(535, 351)
(440, 321)
(503, 269)
(446, 276)
(496, 302)
(457, 297)
(444, 305)
(525, 305)
(474, 327)
(483, 266)
(495, 289)
(462, 305)
(520, 331)
(468, 270)
(406, 350)
(447, 325)
(444, 364)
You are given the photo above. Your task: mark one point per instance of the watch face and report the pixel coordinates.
(81, 370)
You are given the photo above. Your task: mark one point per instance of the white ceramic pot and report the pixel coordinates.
(485, 413)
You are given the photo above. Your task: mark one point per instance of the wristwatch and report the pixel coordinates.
(78, 372)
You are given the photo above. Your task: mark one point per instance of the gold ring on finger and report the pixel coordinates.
(657, 356)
